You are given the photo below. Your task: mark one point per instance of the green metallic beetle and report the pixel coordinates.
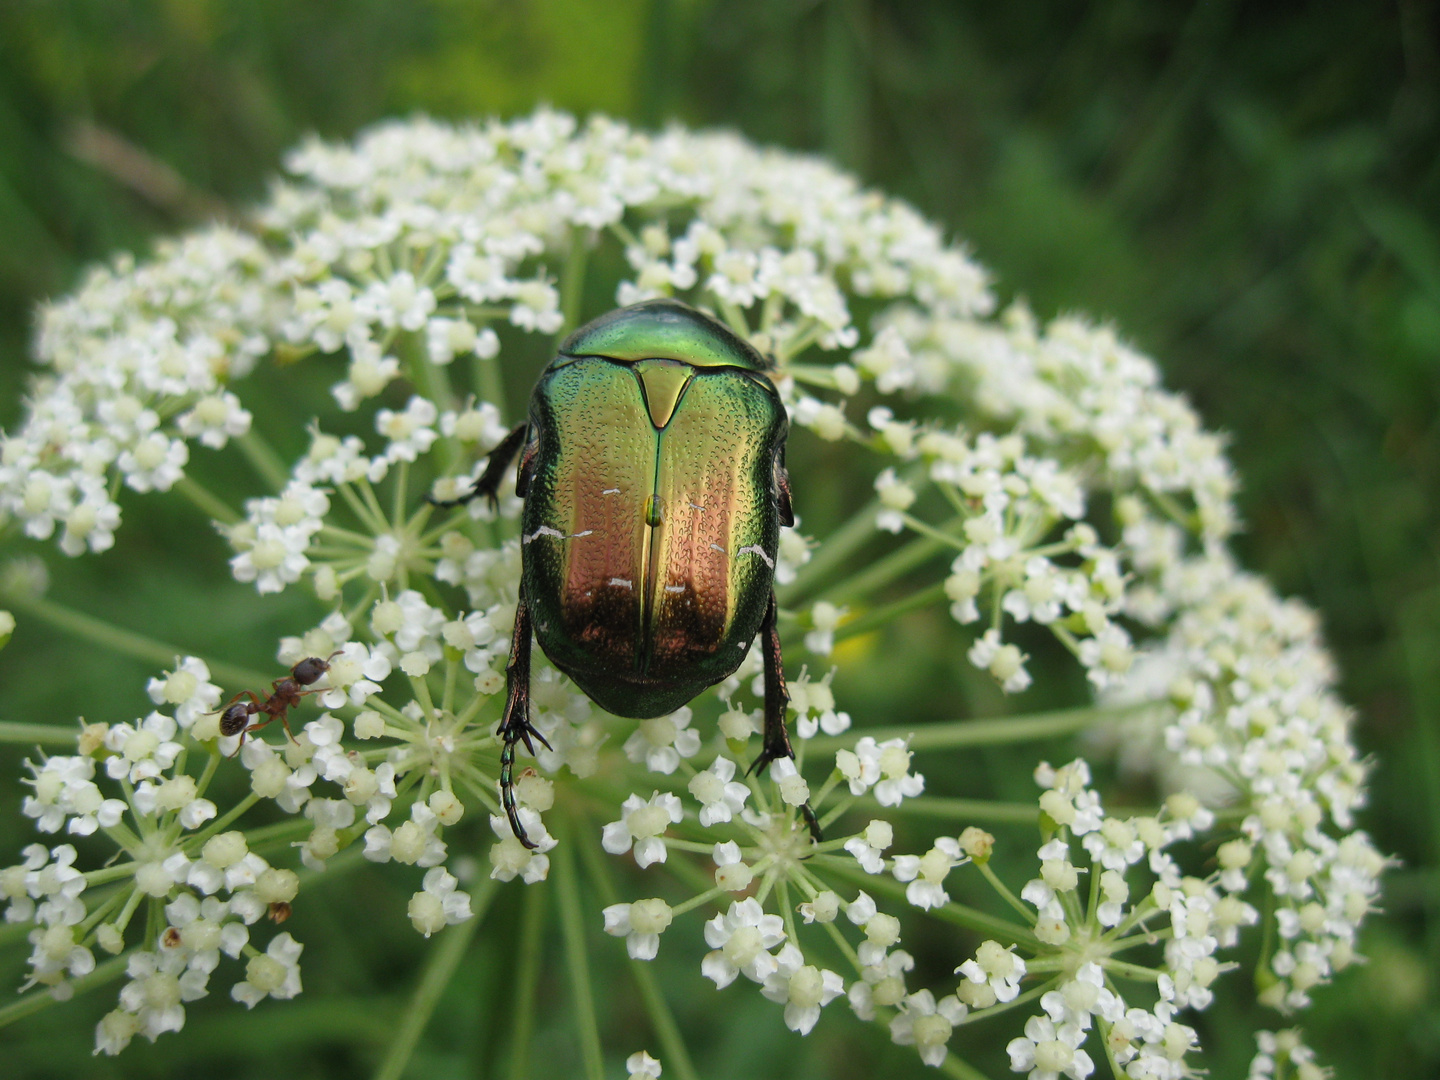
(652, 467)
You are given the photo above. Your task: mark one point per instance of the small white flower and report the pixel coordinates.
(741, 939)
(509, 858)
(885, 766)
(274, 973)
(868, 848)
(997, 966)
(926, 873)
(1115, 845)
(410, 433)
(1005, 662)
(927, 1024)
(215, 420)
(802, 988)
(641, 924)
(440, 902)
(825, 617)
(719, 794)
(154, 463)
(188, 690)
(642, 824)
(1046, 1051)
(881, 983)
(642, 1066)
(153, 997)
(143, 750)
(662, 741)
(896, 497)
(1082, 997)
(814, 701)
(401, 301)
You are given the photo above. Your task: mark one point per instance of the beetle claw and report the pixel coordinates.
(523, 732)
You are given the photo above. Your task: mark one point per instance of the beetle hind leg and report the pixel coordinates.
(515, 724)
(777, 697)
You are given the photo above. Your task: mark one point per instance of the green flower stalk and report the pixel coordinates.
(1069, 495)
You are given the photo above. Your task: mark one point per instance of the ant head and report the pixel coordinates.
(235, 719)
(310, 669)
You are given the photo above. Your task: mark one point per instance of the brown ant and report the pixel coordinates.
(284, 693)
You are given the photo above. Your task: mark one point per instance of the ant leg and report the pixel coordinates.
(264, 723)
(515, 725)
(489, 483)
(777, 697)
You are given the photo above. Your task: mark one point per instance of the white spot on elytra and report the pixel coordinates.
(717, 547)
(610, 491)
(546, 530)
(674, 588)
(756, 549)
(624, 583)
(696, 506)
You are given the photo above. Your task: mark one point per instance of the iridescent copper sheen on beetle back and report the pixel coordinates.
(652, 514)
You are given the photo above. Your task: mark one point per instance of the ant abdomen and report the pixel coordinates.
(235, 719)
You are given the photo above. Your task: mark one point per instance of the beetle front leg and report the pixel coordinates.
(777, 699)
(489, 483)
(515, 724)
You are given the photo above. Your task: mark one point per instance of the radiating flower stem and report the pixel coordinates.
(667, 1031)
(489, 384)
(264, 460)
(567, 891)
(1115, 1069)
(1130, 971)
(41, 734)
(1014, 1003)
(572, 282)
(126, 642)
(885, 570)
(529, 953)
(439, 968)
(838, 546)
(959, 914)
(881, 616)
(41, 998)
(960, 1069)
(1004, 890)
(207, 501)
(971, 809)
(949, 734)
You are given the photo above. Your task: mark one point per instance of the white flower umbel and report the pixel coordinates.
(1061, 502)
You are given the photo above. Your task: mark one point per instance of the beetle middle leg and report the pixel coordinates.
(489, 483)
(777, 698)
(515, 724)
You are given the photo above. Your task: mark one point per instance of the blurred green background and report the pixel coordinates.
(1250, 191)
